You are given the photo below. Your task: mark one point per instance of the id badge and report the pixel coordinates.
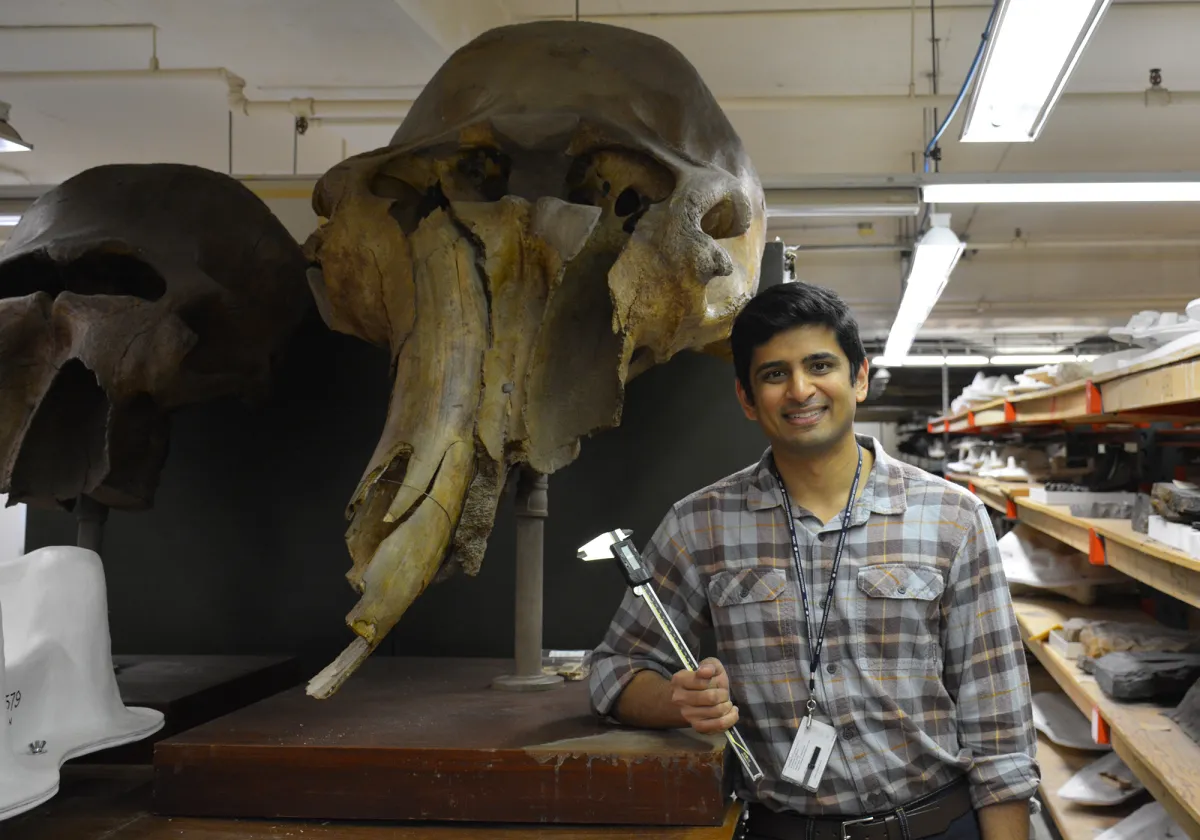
(809, 753)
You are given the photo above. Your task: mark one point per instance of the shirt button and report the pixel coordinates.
(849, 733)
(831, 668)
(900, 590)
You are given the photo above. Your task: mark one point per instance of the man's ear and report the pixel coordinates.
(863, 382)
(746, 401)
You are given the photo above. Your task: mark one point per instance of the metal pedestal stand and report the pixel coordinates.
(531, 513)
(90, 516)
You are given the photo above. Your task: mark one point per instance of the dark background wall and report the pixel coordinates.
(243, 551)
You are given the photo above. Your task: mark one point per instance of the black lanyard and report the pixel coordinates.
(815, 644)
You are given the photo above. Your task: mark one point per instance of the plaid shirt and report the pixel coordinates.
(924, 676)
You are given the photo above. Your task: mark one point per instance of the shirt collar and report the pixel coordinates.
(884, 492)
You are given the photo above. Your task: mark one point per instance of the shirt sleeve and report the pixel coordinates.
(985, 671)
(634, 641)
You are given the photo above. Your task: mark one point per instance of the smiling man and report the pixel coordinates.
(858, 605)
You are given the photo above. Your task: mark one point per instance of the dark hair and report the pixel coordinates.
(787, 306)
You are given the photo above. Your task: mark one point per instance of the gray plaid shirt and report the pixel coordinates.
(923, 672)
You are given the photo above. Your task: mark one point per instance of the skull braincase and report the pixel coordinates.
(126, 292)
(564, 206)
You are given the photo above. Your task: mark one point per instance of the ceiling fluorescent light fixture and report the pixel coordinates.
(934, 258)
(1016, 360)
(1032, 51)
(1025, 349)
(847, 203)
(10, 140)
(9, 220)
(1034, 190)
(930, 361)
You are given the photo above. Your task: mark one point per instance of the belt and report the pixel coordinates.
(925, 817)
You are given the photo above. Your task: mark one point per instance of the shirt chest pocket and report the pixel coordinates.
(754, 619)
(897, 619)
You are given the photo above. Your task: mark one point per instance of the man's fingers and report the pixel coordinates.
(712, 666)
(720, 724)
(695, 713)
(691, 680)
(709, 674)
(708, 697)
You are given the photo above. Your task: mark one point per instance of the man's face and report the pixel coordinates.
(804, 396)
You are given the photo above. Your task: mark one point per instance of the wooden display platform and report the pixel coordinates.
(190, 690)
(113, 803)
(428, 739)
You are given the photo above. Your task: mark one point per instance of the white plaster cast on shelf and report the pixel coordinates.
(60, 693)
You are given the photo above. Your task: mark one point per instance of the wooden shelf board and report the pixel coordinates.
(1149, 561)
(1165, 568)
(1166, 388)
(1064, 401)
(1155, 748)
(1162, 389)
(994, 493)
(1055, 520)
(1186, 355)
(1121, 531)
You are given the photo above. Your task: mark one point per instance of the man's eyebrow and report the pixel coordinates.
(775, 363)
(820, 357)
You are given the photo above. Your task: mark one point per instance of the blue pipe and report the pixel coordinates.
(987, 32)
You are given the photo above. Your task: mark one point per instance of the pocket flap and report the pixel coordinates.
(747, 586)
(895, 580)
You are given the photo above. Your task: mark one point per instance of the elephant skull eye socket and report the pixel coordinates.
(622, 181)
(95, 273)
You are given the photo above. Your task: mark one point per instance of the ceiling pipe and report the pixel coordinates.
(93, 27)
(311, 108)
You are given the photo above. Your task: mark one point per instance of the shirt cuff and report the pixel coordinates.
(1003, 778)
(609, 676)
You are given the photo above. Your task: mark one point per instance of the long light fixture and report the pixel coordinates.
(8, 220)
(1026, 349)
(842, 203)
(1014, 360)
(930, 361)
(934, 257)
(10, 140)
(1035, 359)
(1031, 53)
(1034, 190)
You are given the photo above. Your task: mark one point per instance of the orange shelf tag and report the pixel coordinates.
(1101, 734)
(971, 487)
(1010, 412)
(1093, 404)
(946, 427)
(971, 421)
(1096, 552)
(1010, 508)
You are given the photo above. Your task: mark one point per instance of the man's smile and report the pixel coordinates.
(802, 417)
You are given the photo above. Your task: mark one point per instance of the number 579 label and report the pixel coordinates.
(11, 701)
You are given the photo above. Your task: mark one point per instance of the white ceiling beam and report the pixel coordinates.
(452, 23)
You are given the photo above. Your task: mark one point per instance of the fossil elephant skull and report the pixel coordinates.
(126, 292)
(564, 206)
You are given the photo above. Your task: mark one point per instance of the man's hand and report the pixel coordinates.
(702, 697)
